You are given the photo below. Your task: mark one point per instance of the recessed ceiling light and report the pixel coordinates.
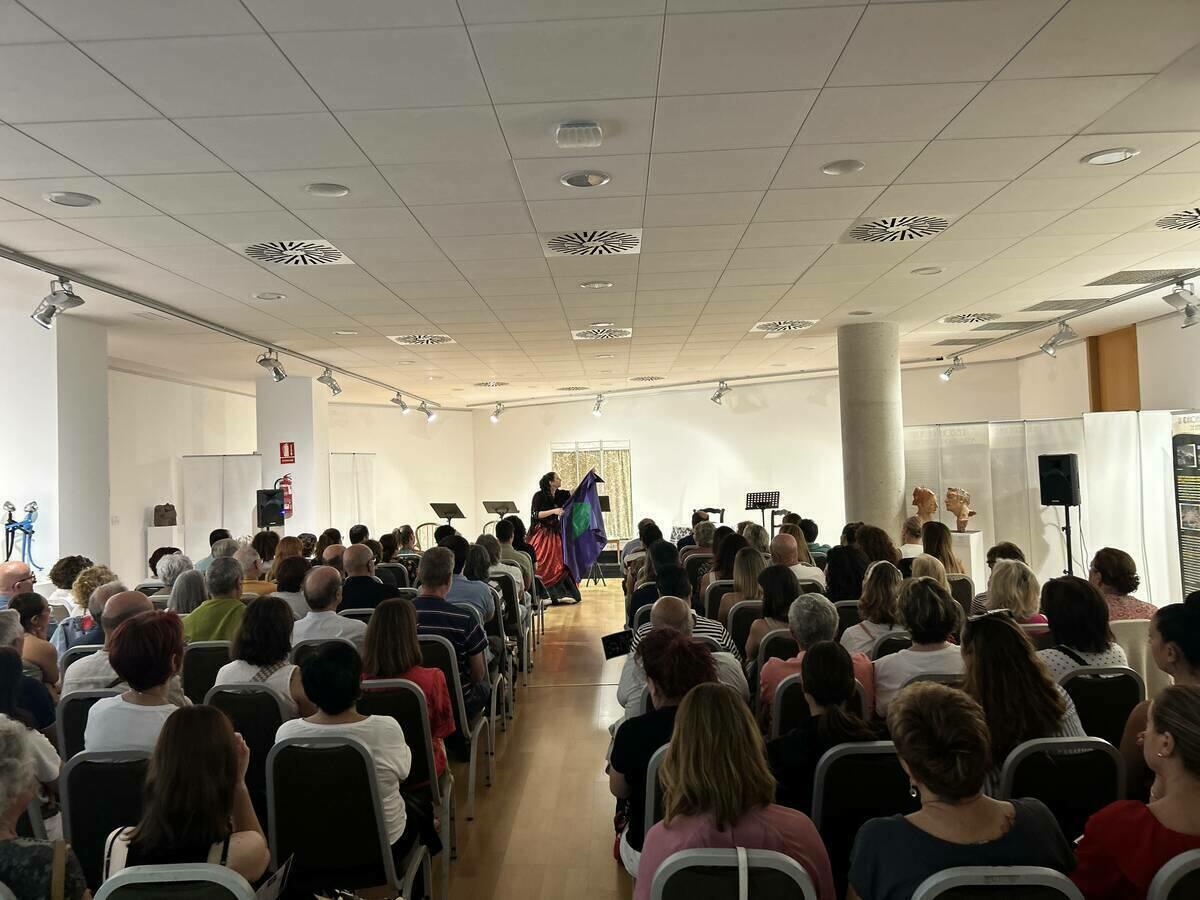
(269, 295)
(605, 355)
(406, 362)
(595, 285)
(346, 333)
(860, 312)
(843, 167)
(585, 179)
(435, 377)
(600, 325)
(71, 198)
(647, 378)
(326, 189)
(1110, 157)
(928, 270)
(490, 384)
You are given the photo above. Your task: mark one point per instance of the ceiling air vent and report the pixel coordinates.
(152, 316)
(647, 378)
(1060, 305)
(893, 229)
(1008, 326)
(491, 384)
(1140, 276)
(295, 253)
(779, 327)
(602, 334)
(574, 387)
(971, 318)
(1180, 221)
(598, 242)
(421, 340)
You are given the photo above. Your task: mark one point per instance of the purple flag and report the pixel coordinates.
(583, 533)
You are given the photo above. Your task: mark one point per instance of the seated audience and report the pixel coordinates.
(331, 556)
(779, 589)
(252, 572)
(188, 592)
(29, 867)
(361, 589)
(145, 652)
(942, 739)
(28, 693)
(506, 535)
(758, 537)
(376, 549)
(878, 609)
(259, 655)
(747, 566)
(62, 575)
(191, 813)
(308, 544)
(702, 537)
(95, 671)
(674, 664)
(1126, 843)
(930, 615)
(436, 615)
(393, 651)
(442, 532)
(41, 659)
(1014, 587)
(811, 619)
(876, 545)
(289, 578)
(388, 545)
(849, 534)
(471, 591)
(829, 687)
(359, 534)
(660, 555)
(803, 553)
(169, 569)
(718, 793)
(216, 537)
(519, 542)
(672, 582)
(910, 538)
(152, 565)
(632, 548)
(937, 542)
(84, 627)
(786, 553)
(265, 543)
(498, 565)
(926, 566)
(811, 532)
(330, 537)
(1078, 620)
(689, 539)
(845, 569)
(218, 617)
(1004, 550)
(287, 548)
(322, 588)
(407, 539)
(635, 562)
(1114, 573)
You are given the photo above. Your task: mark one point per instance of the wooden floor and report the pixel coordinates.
(544, 831)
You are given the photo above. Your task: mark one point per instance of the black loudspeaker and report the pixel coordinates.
(1058, 475)
(270, 507)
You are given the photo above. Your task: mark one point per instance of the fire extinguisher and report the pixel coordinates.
(286, 483)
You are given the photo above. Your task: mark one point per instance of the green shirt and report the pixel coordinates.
(217, 619)
(507, 552)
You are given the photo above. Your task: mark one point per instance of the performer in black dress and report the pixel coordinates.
(546, 538)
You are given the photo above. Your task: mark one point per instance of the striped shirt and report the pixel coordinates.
(461, 629)
(701, 627)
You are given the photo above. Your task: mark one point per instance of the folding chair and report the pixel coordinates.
(819, 559)
(654, 792)
(100, 793)
(706, 874)
(70, 721)
(891, 643)
(494, 629)
(405, 702)
(187, 882)
(1179, 879)
(302, 650)
(1074, 777)
(999, 882)
(811, 587)
(1039, 635)
(76, 653)
(741, 619)
(327, 815)
(692, 566)
(641, 617)
(510, 595)
(948, 679)
(777, 644)
(392, 574)
(438, 653)
(789, 708)
(361, 615)
(201, 660)
(1104, 697)
(848, 615)
(256, 713)
(962, 589)
(713, 595)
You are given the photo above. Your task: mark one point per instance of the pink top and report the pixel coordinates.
(1122, 608)
(1035, 619)
(777, 828)
(776, 670)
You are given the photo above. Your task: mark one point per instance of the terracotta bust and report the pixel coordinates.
(925, 502)
(958, 502)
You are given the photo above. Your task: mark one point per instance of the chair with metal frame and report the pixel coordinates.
(360, 613)
(1179, 879)
(703, 874)
(100, 793)
(1104, 696)
(256, 712)
(742, 617)
(655, 806)
(76, 653)
(999, 882)
(393, 574)
(962, 589)
(187, 882)
(954, 680)
(642, 616)
(714, 594)
(848, 615)
(777, 644)
(70, 720)
(301, 650)
(890, 643)
(808, 586)
(789, 708)
(692, 566)
(201, 660)
(494, 629)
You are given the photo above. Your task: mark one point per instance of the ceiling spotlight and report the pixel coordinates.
(326, 189)
(927, 270)
(585, 179)
(269, 295)
(601, 325)
(430, 414)
(860, 312)
(1064, 335)
(595, 285)
(722, 389)
(71, 198)
(1109, 157)
(399, 401)
(843, 167)
(955, 366)
(497, 413)
(60, 299)
(598, 408)
(345, 333)
(578, 135)
(1183, 298)
(270, 361)
(330, 382)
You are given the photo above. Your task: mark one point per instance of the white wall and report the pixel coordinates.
(981, 392)
(1054, 387)
(1168, 377)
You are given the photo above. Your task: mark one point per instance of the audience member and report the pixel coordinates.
(497, 565)
(849, 534)
(1127, 842)
(689, 539)
(259, 655)
(169, 569)
(747, 566)
(803, 554)
(506, 535)
(942, 739)
(467, 590)
(388, 545)
(62, 575)
(358, 534)
(331, 556)
(674, 664)
(930, 615)
(265, 544)
(519, 542)
(289, 579)
(442, 532)
(785, 552)
(937, 542)
(322, 588)
(145, 652)
(758, 537)
(376, 549)
(1014, 587)
(29, 867)
(155, 558)
(790, 518)
(1114, 573)
(288, 548)
(1078, 618)
(718, 792)
(194, 813)
(407, 539)
(910, 538)
(845, 569)
(31, 693)
(330, 537)
(188, 592)
(742, 526)
(394, 651)
(15, 706)
(215, 537)
(660, 555)
(218, 618)
(437, 616)
(93, 586)
(639, 544)
(827, 673)
(702, 535)
(876, 545)
(672, 582)
(308, 544)
(636, 561)
(779, 589)
(878, 609)
(41, 660)
(1003, 550)
(811, 532)
(361, 589)
(252, 572)
(926, 566)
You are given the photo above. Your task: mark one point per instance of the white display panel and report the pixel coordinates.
(218, 492)
(966, 465)
(1010, 482)
(352, 491)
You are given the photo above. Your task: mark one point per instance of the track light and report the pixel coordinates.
(497, 413)
(1064, 335)
(270, 361)
(430, 414)
(330, 382)
(598, 409)
(59, 300)
(955, 365)
(1184, 299)
(399, 401)
(722, 389)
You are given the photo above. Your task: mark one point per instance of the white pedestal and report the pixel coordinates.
(968, 547)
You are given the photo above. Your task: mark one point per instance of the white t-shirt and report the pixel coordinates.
(911, 551)
(295, 599)
(46, 763)
(115, 724)
(895, 669)
(861, 638)
(279, 682)
(805, 572)
(321, 625)
(1060, 664)
(385, 741)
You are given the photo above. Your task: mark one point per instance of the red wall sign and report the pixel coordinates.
(287, 453)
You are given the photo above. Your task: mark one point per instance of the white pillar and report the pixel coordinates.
(872, 423)
(296, 411)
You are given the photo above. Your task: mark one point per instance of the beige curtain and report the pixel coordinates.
(613, 465)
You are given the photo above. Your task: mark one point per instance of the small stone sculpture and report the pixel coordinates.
(925, 502)
(958, 502)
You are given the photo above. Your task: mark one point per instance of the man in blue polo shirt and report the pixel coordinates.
(437, 616)
(462, 588)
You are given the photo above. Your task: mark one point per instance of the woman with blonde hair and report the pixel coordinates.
(1014, 587)
(756, 536)
(937, 542)
(287, 547)
(718, 793)
(926, 566)
(878, 608)
(747, 566)
(805, 551)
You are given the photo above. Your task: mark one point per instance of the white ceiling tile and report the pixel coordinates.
(883, 162)
(815, 203)
(480, 11)
(317, 15)
(565, 60)
(695, 260)
(867, 254)
(1108, 37)
(144, 18)
(1151, 189)
(414, 248)
(367, 187)
(19, 26)
(492, 246)
(702, 209)
(1104, 221)
(395, 221)
(260, 143)
(130, 232)
(730, 121)
(942, 199)
(249, 227)
(466, 219)
(436, 290)
(768, 257)
(22, 157)
(1187, 161)
(452, 134)
(33, 236)
(127, 147)
(731, 170)
(594, 266)
(411, 270)
(55, 94)
(529, 127)
(775, 275)
(986, 159)
(573, 292)
(1053, 246)
(207, 76)
(1152, 149)
(1162, 104)
(388, 68)
(749, 294)
(936, 42)
(753, 51)
(540, 178)
(510, 287)
(1049, 193)
(981, 226)
(564, 215)
(200, 193)
(29, 192)
(884, 113)
(791, 234)
(456, 182)
(503, 268)
(698, 237)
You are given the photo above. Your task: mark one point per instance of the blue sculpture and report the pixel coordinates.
(25, 527)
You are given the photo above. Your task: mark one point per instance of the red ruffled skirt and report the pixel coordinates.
(549, 548)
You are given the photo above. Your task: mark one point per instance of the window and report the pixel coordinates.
(610, 459)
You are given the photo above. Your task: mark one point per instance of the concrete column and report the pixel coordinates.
(296, 411)
(872, 423)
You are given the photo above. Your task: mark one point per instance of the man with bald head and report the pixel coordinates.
(332, 556)
(94, 672)
(362, 590)
(15, 578)
(323, 593)
(786, 552)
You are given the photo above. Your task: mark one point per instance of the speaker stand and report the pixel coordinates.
(1067, 531)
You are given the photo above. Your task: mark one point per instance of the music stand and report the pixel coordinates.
(447, 511)
(500, 508)
(605, 506)
(596, 574)
(762, 501)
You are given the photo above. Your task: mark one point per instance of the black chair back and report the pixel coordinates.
(741, 619)
(196, 881)
(790, 708)
(302, 650)
(692, 566)
(1179, 879)
(962, 589)
(76, 653)
(256, 714)
(848, 616)
(404, 701)
(409, 564)
(510, 599)
(1104, 696)
(392, 574)
(201, 660)
(100, 793)
(1074, 777)
(713, 596)
(70, 721)
(642, 616)
(777, 644)
(361, 614)
(439, 653)
(891, 643)
(714, 875)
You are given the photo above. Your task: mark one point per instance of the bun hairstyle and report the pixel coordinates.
(544, 482)
(1116, 569)
(943, 736)
(1179, 624)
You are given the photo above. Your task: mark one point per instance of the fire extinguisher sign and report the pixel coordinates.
(287, 453)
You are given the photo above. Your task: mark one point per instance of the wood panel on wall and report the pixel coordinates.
(1113, 371)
